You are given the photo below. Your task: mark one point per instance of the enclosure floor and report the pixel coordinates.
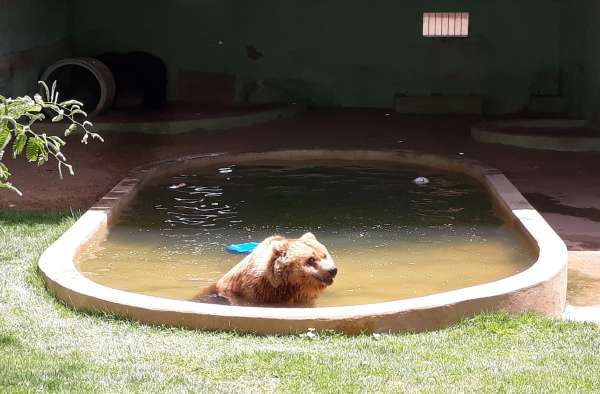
(182, 111)
(563, 186)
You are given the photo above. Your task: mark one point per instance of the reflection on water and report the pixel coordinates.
(390, 238)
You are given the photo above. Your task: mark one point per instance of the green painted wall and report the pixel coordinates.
(580, 56)
(341, 52)
(332, 52)
(32, 35)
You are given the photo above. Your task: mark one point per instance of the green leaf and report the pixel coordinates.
(4, 173)
(53, 92)
(79, 112)
(43, 153)
(19, 144)
(70, 129)
(69, 103)
(46, 90)
(9, 186)
(57, 140)
(4, 104)
(32, 149)
(18, 116)
(38, 99)
(5, 135)
(96, 136)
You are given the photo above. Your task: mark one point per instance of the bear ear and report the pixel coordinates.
(273, 259)
(308, 236)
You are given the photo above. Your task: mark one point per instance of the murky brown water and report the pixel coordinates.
(390, 238)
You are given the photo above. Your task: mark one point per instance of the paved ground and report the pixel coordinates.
(563, 186)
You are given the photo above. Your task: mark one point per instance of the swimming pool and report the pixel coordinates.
(390, 237)
(467, 209)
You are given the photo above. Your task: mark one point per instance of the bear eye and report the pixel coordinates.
(311, 261)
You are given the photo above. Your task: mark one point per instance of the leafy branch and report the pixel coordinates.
(17, 116)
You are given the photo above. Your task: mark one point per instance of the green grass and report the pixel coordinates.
(47, 347)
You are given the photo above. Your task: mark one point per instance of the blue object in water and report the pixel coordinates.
(245, 248)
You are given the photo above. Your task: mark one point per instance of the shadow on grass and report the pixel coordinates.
(8, 339)
(35, 217)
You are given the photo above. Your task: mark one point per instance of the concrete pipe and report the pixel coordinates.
(85, 79)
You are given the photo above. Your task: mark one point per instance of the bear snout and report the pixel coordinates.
(327, 272)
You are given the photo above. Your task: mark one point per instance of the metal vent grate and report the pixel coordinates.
(445, 24)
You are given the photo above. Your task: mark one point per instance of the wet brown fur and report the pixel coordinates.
(279, 271)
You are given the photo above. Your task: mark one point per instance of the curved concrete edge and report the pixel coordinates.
(541, 288)
(491, 132)
(210, 124)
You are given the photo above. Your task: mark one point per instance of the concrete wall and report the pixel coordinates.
(331, 52)
(32, 35)
(580, 56)
(340, 52)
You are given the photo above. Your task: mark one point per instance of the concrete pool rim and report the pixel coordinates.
(495, 132)
(541, 288)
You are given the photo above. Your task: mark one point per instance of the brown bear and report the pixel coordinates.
(279, 271)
